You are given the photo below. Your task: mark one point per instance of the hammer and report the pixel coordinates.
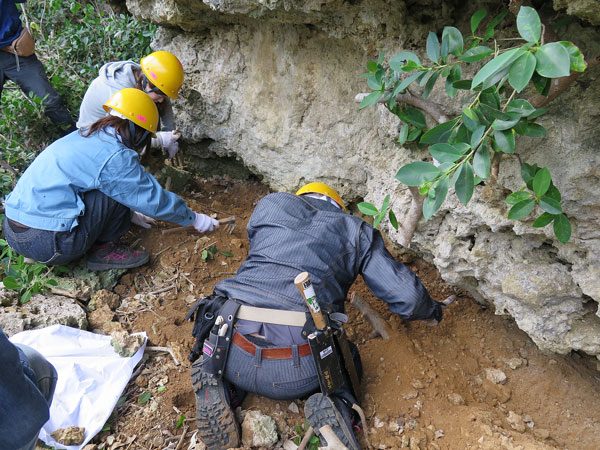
(229, 223)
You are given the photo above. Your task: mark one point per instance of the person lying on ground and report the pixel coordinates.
(159, 74)
(85, 189)
(27, 384)
(269, 355)
(19, 63)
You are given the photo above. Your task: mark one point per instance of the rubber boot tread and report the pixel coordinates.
(320, 411)
(215, 420)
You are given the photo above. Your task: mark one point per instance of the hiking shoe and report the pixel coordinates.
(111, 255)
(215, 420)
(321, 410)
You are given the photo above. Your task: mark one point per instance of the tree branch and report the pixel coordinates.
(433, 109)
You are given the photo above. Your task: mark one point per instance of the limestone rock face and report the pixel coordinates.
(272, 83)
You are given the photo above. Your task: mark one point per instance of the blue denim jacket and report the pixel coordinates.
(290, 234)
(23, 409)
(48, 196)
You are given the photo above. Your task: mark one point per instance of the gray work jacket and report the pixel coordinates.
(290, 234)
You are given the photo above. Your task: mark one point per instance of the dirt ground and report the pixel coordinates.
(424, 388)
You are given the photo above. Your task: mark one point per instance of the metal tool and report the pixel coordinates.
(228, 222)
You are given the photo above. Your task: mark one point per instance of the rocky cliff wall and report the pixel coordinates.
(273, 84)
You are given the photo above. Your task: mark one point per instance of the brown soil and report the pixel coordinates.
(424, 388)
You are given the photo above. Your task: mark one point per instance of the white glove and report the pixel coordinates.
(204, 223)
(142, 220)
(167, 142)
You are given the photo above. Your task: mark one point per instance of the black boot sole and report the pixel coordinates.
(320, 411)
(215, 420)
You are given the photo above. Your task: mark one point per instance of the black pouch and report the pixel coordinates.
(203, 313)
(216, 347)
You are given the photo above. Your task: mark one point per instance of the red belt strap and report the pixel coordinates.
(269, 352)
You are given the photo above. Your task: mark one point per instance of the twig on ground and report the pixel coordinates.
(183, 434)
(309, 433)
(169, 350)
(165, 289)
(376, 321)
(162, 251)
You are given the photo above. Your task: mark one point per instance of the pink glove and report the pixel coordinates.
(204, 223)
(142, 220)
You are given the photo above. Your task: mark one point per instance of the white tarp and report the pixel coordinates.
(91, 378)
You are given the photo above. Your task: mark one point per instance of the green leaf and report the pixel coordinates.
(550, 205)
(432, 205)
(504, 140)
(527, 173)
(489, 31)
(541, 84)
(368, 209)
(374, 83)
(521, 71)
(493, 113)
(433, 47)
(445, 152)
(413, 135)
(416, 173)
(520, 106)
(553, 60)
(372, 66)
(11, 283)
(476, 136)
(161, 388)
(226, 253)
(439, 133)
(393, 219)
(554, 193)
(403, 134)
(576, 58)
(406, 82)
(399, 61)
(541, 182)
(25, 297)
(529, 24)
(562, 228)
(470, 119)
(481, 162)
(506, 124)
(144, 397)
(543, 220)
(454, 38)
(538, 112)
(495, 65)
(455, 75)
(517, 197)
(412, 116)
(521, 209)
(462, 84)
(477, 18)
(430, 84)
(370, 99)
(465, 183)
(476, 53)
(180, 421)
(534, 130)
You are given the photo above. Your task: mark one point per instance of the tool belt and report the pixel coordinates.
(24, 45)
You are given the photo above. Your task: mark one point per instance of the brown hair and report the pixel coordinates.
(121, 127)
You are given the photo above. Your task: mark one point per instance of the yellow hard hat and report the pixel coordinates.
(321, 188)
(136, 106)
(164, 71)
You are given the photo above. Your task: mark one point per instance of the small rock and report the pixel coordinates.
(104, 297)
(514, 363)
(259, 430)
(69, 436)
(126, 345)
(100, 316)
(411, 395)
(289, 445)
(515, 421)
(498, 391)
(541, 433)
(293, 408)
(552, 362)
(90, 447)
(393, 427)
(417, 384)
(438, 434)
(378, 423)
(496, 376)
(456, 399)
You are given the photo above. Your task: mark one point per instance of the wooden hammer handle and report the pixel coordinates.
(304, 285)
(230, 219)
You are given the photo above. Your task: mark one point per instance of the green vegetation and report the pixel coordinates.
(467, 148)
(73, 40)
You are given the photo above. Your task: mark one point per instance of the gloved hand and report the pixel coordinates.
(142, 220)
(204, 223)
(167, 141)
(443, 306)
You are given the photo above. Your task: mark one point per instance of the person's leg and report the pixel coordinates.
(44, 374)
(30, 75)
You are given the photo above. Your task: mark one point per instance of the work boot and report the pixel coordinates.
(112, 255)
(215, 420)
(322, 410)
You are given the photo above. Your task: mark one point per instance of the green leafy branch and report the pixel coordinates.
(467, 148)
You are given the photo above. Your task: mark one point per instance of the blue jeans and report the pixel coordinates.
(104, 220)
(30, 75)
(42, 373)
(280, 379)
